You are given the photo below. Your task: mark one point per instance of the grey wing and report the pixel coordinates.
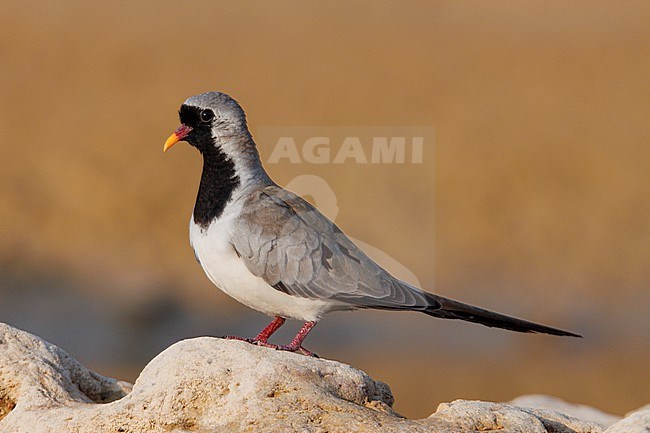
(297, 250)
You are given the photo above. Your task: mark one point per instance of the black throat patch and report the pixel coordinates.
(218, 181)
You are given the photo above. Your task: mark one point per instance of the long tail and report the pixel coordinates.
(450, 309)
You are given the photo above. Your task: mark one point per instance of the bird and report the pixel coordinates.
(274, 252)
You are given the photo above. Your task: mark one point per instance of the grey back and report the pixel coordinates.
(296, 249)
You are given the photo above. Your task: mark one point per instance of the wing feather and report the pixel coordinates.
(296, 249)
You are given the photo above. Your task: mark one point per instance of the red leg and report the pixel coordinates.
(296, 343)
(266, 333)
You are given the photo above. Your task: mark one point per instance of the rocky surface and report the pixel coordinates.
(575, 410)
(214, 385)
(637, 421)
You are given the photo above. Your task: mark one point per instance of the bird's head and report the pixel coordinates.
(208, 118)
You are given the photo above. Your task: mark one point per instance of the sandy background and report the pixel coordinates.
(533, 200)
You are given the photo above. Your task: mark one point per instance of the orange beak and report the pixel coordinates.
(177, 136)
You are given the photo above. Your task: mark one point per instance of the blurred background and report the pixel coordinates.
(533, 200)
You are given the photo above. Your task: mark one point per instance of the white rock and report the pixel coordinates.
(634, 422)
(479, 416)
(579, 411)
(214, 385)
(198, 385)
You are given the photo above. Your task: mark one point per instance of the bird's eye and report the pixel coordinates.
(207, 115)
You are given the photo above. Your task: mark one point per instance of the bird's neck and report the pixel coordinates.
(218, 182)
(224, 178)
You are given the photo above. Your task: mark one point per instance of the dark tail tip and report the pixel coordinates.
(450, 309)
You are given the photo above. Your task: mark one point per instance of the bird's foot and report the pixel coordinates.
(256, 341)
(285, 347)
(296, 349)
(233, 337)
(264, 343)
(262, 339)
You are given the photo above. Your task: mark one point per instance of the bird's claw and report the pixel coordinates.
(297, 349)
(263, 343)
(233, 337)
(285, 347)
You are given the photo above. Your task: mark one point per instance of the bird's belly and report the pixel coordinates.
(229, 273)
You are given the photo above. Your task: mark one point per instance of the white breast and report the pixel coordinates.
(229, 273)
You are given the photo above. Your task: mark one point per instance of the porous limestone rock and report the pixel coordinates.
(215, 385)
(199, 385)
(579, 411)
(479, 416)
(637, 421)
